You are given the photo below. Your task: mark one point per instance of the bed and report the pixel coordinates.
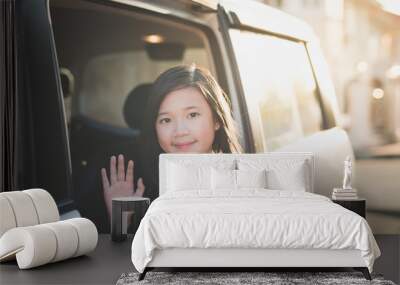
(247, 210)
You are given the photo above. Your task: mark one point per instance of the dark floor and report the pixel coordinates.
(389, 262)
(103, 266)
(110, 260)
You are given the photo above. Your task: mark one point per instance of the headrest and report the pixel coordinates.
(135, 105)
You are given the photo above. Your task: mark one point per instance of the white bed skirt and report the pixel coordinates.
(193, 257)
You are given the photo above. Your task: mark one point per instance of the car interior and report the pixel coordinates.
(111, 60)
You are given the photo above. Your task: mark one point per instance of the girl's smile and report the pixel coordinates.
(184, 146)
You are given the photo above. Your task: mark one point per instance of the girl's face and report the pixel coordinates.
(185, 122)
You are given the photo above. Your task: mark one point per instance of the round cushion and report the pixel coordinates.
(40, 244)
(23, 208)
(7, 220)
(87, 234)
(67, 240)
(33, 246)
(45, 205)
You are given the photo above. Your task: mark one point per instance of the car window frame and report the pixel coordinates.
(40, 164)
(225, 21)
(233, 22)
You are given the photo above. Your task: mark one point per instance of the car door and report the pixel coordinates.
(37, 146)
(286, 91)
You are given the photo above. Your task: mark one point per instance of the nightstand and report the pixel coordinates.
(357, 205)
(136, 205)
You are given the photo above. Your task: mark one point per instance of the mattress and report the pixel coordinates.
(251, 219)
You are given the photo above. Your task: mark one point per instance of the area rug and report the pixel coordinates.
(269, 278)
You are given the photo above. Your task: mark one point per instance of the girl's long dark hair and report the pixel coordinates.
(226, 138)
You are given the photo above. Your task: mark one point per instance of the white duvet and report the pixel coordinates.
(252, 218)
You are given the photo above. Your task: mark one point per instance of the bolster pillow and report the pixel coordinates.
(40, 244)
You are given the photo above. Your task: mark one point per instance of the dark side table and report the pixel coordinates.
(357, 205)
(136, 205)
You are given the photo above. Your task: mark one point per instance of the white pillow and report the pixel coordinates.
(181, 177)
(251, 178)
(282, 174)
(236, 179)
(223, 179)
(292, 179)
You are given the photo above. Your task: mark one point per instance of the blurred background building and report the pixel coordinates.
(361, 42)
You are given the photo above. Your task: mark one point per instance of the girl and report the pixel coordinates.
(187, 112)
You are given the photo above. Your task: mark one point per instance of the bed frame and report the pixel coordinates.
(243, 259)
(246, 258)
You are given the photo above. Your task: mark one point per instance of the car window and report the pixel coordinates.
(110, 51)
(106, 53)
(108, 79)
(279, 86)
